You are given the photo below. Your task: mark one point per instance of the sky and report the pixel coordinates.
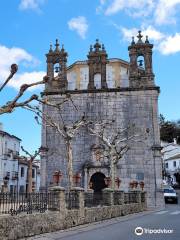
(28, 27)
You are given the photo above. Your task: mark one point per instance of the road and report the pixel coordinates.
(124, 227)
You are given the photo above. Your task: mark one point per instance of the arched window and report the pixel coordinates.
(140, 62)
(97, 80)
(56, 69)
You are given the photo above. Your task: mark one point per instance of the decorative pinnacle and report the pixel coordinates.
(103, 47)
(57, 45)
(147, 40)
(133, 42)
(139, 36)
(91, 48)
(50, 49)
(62, 49)
(97, 46)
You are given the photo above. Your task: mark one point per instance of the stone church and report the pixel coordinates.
(104, 89)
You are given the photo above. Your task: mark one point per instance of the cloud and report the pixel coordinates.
(22, 58)
(165, 11)
(150, 31)
(158, 12)
(27, 77)
(79, 25)
(170, 45)
(31, 4)
(142, 7)
(164, 43)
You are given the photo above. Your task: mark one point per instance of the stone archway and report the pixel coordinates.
(98, 182)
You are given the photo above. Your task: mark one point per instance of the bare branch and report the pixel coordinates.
(10, 106)
(14, 68)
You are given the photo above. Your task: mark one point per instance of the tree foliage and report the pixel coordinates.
(169, 130)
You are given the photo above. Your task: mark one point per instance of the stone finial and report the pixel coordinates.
(50, 49)
(139, 36)
(91, 48)
(147, 40)
(97, 46)
(62, 49)
(133, 42)
(103, 47)
(57, 46)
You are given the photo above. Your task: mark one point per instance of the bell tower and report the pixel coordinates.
(97, 60)
(140, 71)
(56, 64)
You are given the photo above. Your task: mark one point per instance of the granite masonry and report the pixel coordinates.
(123, 93)
(26, 225)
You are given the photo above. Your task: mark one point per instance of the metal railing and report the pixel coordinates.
(72, 200)
(13, 203)
(94, 199)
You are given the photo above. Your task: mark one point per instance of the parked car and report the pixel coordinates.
(170, 195)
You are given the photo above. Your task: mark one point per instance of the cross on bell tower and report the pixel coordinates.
(97, 60)
(56, 63)
(139, 36)
(140, 75)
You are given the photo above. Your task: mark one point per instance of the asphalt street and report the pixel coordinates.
(157, 225)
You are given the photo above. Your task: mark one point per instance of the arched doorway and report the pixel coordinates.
(98, 182)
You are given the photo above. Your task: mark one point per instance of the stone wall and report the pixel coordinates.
(15, 227)
(126, 106)
(25, 225)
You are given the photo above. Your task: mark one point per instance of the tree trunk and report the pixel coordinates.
(30, 162)
(69, 164)
(112, 169)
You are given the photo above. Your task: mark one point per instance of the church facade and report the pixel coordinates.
(102, 89)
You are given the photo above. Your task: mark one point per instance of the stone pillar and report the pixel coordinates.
(79, 192)
(118, 197)
(61, 206)
(85, 179)
(144, 200)
(138, 196)
(108, 198)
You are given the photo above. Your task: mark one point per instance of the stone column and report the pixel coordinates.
(144, 203)
(138, 196)
(79, 192)
(108, 198)
(119, 196)
(85, 179)
(61, 206)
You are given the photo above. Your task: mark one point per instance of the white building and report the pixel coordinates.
(171, 160)
(23, 173)
(9, 154)
(13, 168)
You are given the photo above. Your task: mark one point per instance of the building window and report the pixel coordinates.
(33, 173)
(11, 188)
(166, 165)
(97, 80)
(174, 163)
(21, 189)
(22, 172)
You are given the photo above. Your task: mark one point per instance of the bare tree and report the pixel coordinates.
(67, 132)
(30, 159)
(116, 144)
(14, 103)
